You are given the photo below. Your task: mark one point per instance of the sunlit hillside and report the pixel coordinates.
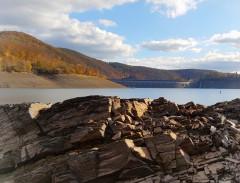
(21, 52)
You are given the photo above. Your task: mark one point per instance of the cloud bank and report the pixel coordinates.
(50, 22)
(211, 60)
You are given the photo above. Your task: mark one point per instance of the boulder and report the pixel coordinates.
(73, 113)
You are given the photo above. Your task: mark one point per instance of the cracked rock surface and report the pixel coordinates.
(108, 139)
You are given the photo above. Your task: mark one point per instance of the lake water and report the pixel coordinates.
(178, 95)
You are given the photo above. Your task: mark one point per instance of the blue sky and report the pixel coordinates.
(165, 34)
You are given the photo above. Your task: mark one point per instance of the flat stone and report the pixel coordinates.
(200, 177)
(216, 168)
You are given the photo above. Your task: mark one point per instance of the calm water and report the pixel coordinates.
(180, 96)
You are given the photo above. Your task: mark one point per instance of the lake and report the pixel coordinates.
(178, 95)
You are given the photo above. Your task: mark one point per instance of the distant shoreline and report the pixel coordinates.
(178, 84)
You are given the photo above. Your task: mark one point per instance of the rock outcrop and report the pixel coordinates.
(107, 139)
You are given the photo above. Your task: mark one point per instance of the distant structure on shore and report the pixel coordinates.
(177, 84)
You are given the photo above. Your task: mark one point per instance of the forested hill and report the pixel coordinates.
(115, 70)
(21, 52)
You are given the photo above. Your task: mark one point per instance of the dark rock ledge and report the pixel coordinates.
(107, 139)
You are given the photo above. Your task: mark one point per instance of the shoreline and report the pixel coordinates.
(29, 80)
(178, 84)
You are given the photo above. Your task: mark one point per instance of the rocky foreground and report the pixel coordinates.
(107, 139)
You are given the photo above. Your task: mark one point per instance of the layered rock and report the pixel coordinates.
(107, 139)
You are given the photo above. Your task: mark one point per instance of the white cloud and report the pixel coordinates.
(232, 37)
(232, 56)
(107, 23)
(156, 62)
(195, 50)
(170, 45)
(228, 62)
(173, 8)
(50, 22)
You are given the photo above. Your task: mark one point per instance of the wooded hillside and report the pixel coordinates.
(21, 52)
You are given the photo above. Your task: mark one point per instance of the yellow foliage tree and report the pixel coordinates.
(7, 53)
(28, 66)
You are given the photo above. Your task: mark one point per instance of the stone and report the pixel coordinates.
(213, 129)
(142, 153)
(225, 141)
(157, 130)
(232, 160)
(204, 119)
(225, 181)
(128, 119)
(116, 106)
(115, 156)
(24, 154)
(172, 108)
(84, 166)
(165, 147)
(86, 134)
(200, 177)
(120, 118)
(117, 135)
(118, 126)
(36, 107)
(206, 171)
(63, 177)
(182, 160)
(139, 108)
(188, 146)
(167, 178)
(173, 122)
(216, 168)
(165, 159)
(74, 112)
(137, 172)
(212, 155)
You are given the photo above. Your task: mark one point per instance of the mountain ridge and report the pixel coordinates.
(21, 52)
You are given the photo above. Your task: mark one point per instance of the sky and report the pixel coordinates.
(164, 34)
